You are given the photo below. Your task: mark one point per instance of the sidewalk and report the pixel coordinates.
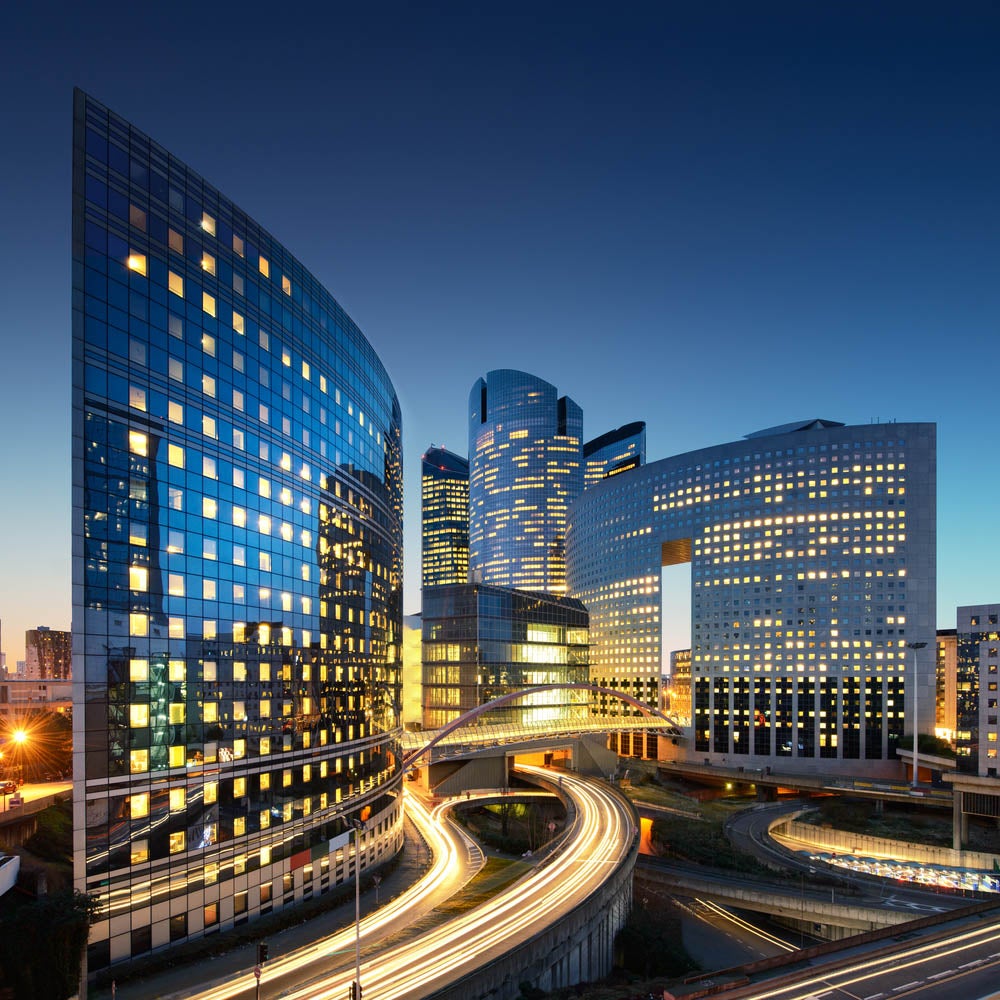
(189, 978)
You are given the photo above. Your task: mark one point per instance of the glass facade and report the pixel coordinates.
(812, 549)
(614, 452)
(525, 469)
(444, 486)
(977, 673)
(237, 532)
(481, 642)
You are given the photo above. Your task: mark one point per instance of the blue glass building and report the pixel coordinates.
(525, 469)
(237, 542)
(614, 452)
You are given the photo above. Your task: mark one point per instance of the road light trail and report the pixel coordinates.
(601, 837)
(453, 864)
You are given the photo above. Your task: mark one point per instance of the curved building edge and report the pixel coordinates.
(237, 561)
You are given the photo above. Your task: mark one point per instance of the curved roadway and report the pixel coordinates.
(414, 965)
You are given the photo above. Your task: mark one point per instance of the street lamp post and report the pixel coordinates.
(915, 646)
(358, 825)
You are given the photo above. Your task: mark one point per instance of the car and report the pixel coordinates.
(7, 787)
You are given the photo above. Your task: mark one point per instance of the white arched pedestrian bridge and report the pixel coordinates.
(473, 731)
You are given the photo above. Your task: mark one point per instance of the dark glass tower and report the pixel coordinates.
(444, 479)
(614, 452)
(237, 541)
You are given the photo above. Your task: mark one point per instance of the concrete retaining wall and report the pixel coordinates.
(797, 835)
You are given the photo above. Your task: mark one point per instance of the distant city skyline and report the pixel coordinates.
(671, 214)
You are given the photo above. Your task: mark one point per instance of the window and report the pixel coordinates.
(137, 262)
(175, 584)
(286, 284)
(138, 624)
(208, 263)
(208, 429)
(208, 303)
(208, 344)
(138, 671)
(264, 267)
(138, 761)
(137, 398)
(209, 507)
(237, 245)
(208, 223)
(137, 217)
(175, 412)
(208, 590)
(175, 241)
(239, 325)
(178, 799)
(175, 283)
(177, 844)
(139, 805)
(208, 385)
(140, 848)
(209, 548)
(138, 578)
(175, 455)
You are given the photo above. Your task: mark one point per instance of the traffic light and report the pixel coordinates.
(261, 952)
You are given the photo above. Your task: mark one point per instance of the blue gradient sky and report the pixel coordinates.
(713, 217)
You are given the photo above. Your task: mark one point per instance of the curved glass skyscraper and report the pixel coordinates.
(525, 469)
(812, 554)
(237, 534)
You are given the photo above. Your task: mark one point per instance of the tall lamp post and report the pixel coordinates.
(915, 646)
(358, 825)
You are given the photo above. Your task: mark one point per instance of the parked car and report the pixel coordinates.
(7, 787)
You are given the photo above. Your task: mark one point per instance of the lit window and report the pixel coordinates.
(175, 584)
(175, 456)
(138, 761)
(237, 245)
(137, 217)
(239, 325)
(137, 534)
(265, 561)
(138, 578)
(208, 589)
(138, 805)
(286, 284)
(175, 541)
(177, 841)
(208, 429)
(208, 263)
(208, 223)
(208, 385)
(208, 303)
(138, 670)
(209, 507)
(208, 344)
(175, 283)
(137, 262)
(209, 630)
(177, 713)
(175, 671)
(262, 413)
(286, 358)
(178, 800)
(239, 517)
(264, 267)
(211, 792)
(239, 555)
(237, 361)
(175, 369)
(305, 370)
(237, 400)
(138, 443)
(137, 398)
(264, 524)
(264, 487)
(209, 548)
(210, 712)
(138, 624)
(176, 757)
(175, 628)
(175, 241)
(138, 716)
